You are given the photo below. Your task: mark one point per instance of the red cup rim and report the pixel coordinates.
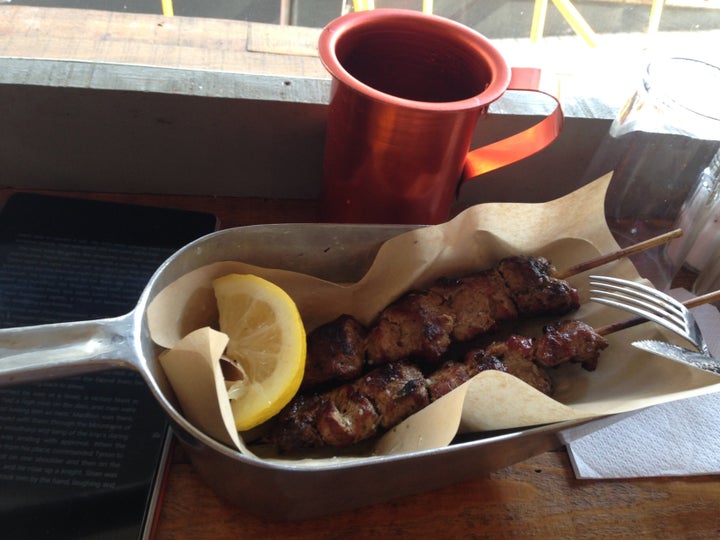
(336, 29)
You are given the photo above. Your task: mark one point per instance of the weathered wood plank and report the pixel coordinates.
(538, 498)
(154, 40)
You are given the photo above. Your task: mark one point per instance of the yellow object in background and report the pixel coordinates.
(569, 12)
(365, 5)
(167, 8)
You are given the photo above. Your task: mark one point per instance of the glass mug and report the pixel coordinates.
(700, 221)
(661, 149)
(704, 256)
(407, 92)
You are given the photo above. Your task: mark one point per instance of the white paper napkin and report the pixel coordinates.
(673, 439)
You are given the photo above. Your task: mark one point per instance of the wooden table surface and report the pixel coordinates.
(539, 497)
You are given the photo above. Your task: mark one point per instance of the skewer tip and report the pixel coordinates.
(619, 254)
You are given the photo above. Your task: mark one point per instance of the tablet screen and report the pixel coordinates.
(80, 456)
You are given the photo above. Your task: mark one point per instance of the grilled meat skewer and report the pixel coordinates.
(461, 309)
(388, 394)
(421, 325)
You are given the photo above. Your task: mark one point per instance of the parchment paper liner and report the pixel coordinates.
(567, 231)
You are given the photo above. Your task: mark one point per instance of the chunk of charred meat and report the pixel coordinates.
(516, 354)
(397, 390)
(347, 416)
(297, 424)
(390, 393)
(569, 341)
(418, 325)
(335, 352)
(533, 288)
(476, 302)
(453, 373)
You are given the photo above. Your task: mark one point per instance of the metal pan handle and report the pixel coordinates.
(33, 353)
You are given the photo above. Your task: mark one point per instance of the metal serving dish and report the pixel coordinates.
(341, 253)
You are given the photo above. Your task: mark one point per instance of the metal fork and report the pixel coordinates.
(648, 304)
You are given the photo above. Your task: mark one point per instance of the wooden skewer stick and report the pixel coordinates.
(630, 250)
(702, 299)
(634, 321)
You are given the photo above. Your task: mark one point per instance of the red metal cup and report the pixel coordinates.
(407, 91)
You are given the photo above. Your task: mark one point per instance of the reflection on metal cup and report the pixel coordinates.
(661, 149)
(407, 91)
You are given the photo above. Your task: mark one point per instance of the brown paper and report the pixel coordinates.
(193, 369)
(567, 231)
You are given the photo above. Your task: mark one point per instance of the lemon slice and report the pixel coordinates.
(267, 341)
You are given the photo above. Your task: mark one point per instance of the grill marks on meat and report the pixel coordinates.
(335, 351)
(296, 425)
(517, 355)
(533, 289)
(477, 303)
(571, 341)
(346, 416)
(418, 325)
(421, 325)
(354, 411)
(390, 393)
(454, 373)
(397, 390)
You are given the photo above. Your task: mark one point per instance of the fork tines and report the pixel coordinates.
(642, 300)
